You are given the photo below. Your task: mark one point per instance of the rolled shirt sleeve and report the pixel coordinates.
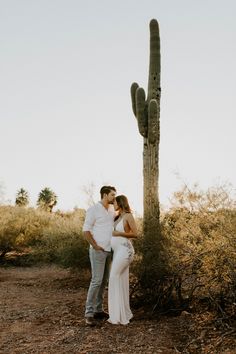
(89, 220)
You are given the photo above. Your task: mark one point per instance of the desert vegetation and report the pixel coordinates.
(43, 236)
(197, 257)
(195, 270)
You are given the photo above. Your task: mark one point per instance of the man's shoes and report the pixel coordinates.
(101, 315)
(89, 321)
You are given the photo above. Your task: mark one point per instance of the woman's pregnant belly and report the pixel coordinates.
(122, 245)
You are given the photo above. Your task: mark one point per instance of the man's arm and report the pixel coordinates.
(90, 219)
(91, 241)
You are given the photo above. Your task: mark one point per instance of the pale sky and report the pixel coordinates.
(66, 118)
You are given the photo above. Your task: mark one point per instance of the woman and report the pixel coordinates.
(118, 289)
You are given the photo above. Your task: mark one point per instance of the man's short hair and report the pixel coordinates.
(106, 190)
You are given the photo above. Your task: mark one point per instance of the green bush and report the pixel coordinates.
(195, 258)
(48, 237)
(63, 243)
(8, 230)
(20, 227)
(200, 229)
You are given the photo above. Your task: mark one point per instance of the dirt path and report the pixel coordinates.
(42, 311)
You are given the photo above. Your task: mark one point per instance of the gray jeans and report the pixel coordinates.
(100, 267)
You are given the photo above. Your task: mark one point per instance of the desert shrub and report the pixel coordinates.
(196, 258)
(200, 229)
(20, 227)
(48, 237)
(8, 230)
(62, 241)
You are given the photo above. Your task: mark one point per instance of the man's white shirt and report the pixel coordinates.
(99, 221)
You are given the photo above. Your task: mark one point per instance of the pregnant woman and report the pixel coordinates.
(118, 291)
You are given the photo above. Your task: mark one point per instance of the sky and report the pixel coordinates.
(66, 67)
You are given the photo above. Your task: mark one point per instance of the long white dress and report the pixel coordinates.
(118, 289)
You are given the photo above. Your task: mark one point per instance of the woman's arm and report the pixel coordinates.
(130, 228)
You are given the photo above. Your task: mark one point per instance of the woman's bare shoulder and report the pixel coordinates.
(129, 216)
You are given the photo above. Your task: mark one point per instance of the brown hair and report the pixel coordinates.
(123, 203)
(106, 190)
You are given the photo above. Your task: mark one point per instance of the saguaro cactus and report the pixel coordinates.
(147, 112)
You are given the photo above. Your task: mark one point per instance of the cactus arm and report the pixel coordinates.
(153, 122)
(140, 111)
(134, 87)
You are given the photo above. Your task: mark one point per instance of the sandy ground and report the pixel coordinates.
(42, 311)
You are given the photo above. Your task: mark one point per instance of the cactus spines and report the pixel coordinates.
(147, 111)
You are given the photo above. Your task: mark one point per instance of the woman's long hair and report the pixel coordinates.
(123, 203)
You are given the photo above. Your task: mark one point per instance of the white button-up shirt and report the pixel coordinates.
(99, 221)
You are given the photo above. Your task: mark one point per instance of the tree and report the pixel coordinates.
(89, 192)
(47, 199)
(22, 197)
(147, 112)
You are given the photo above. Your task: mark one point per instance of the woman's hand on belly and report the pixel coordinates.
(116, 233)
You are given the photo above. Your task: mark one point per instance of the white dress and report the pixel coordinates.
(118, 289)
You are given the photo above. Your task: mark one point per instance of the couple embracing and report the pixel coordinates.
(109, 226)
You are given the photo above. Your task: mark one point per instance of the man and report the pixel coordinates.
(97, 229)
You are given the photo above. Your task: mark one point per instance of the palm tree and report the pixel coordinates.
(47, 199)
(22, 198)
